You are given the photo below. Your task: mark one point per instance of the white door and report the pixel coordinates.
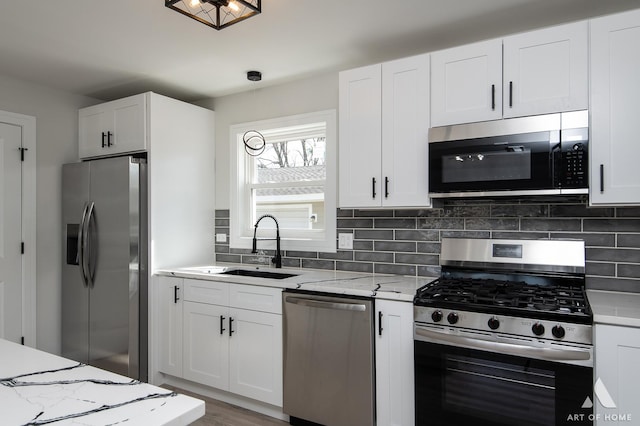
(206, 344)
(394, 363)
(466, 84)
(360, 137)
(545, 71)
(405, 132)
(255, 361)
(615, 61)
(170, 295)
(616, 367)
(10, 232)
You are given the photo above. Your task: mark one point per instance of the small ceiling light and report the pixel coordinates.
(254, 75)
(217, 14)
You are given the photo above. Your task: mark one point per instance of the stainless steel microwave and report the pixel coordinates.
(537, 155)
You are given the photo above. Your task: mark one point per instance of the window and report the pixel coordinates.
(293, 179)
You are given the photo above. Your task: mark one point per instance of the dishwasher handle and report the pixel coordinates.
(313, 303)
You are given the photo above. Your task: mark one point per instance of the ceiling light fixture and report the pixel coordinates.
(217, 14)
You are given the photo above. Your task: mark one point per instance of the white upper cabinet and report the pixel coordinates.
(113, 128)
(615, 91)
(537, 72)
(405, 132)
(360, 137)
(466, 83)
(546, 71)
(384, 123)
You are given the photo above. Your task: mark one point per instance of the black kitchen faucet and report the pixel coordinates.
(277, 260)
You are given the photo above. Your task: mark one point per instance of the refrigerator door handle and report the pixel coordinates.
(86, 255)
(81, 243)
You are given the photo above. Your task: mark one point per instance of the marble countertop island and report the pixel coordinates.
(38, 388)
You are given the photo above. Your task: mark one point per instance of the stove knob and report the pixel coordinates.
(452, 318)
(558, 331)
(436, 316)
(493, 323)
(538, 329)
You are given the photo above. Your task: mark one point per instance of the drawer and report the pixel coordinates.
(211, 292)
(256, 298)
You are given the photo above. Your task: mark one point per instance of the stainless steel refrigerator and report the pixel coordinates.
(104, 265)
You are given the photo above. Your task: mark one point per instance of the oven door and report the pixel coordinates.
(463, 386)
(522, 162)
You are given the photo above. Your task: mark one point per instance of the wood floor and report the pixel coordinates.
(222, 414)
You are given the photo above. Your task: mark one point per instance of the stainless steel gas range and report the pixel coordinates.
(504, 336)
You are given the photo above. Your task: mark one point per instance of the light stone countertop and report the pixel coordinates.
(38, 388)
(615, 307)
(389, 287)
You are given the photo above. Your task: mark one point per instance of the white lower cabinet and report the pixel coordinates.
(170, 307)
(227, 336)
(255, 355)
(206, 344)
(394, 363)
(617, 375)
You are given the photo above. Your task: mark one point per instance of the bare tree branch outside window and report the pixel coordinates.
(298, 153)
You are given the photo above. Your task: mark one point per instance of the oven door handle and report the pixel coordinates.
(550, 354)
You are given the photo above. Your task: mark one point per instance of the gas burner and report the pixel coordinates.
(549, 298)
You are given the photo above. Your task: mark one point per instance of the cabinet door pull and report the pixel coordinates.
(104, 135)
(386, 187)
(230, 326)
(109, 143)
(601, 177)
(373, 187)
(222, 329)
(493, 97)
(175, 294)
(380, 323)
(511, 94)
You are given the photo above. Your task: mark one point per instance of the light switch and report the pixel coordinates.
(221, 238)
(345, 241)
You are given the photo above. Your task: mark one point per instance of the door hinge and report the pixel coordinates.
(22, 150)
(22, 340)
(22, 247)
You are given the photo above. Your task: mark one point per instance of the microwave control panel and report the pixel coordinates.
(575, 166)
(574, 162)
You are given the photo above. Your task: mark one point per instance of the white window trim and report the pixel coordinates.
(240, 212)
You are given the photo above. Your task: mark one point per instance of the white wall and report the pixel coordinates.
(56, 115)
(299, 97)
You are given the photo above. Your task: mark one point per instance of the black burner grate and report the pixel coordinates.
(552, 300)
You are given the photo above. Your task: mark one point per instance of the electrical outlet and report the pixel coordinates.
(221, 238)
(345, 241)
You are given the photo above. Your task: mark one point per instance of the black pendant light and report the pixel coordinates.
(217, 14)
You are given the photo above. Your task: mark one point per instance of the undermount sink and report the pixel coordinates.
(258, 273)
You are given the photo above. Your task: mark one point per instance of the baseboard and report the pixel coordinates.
(229, 398)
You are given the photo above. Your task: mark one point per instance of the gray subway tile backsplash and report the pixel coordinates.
(373, 256)
(629, 240)
(612, 225)
(629, 270)
(407, 242)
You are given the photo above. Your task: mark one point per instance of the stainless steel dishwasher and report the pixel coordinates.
(328, 359)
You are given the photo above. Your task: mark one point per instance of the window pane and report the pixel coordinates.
(292, 161)
(295, 208)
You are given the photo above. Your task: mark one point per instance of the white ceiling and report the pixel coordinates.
(113, 48)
